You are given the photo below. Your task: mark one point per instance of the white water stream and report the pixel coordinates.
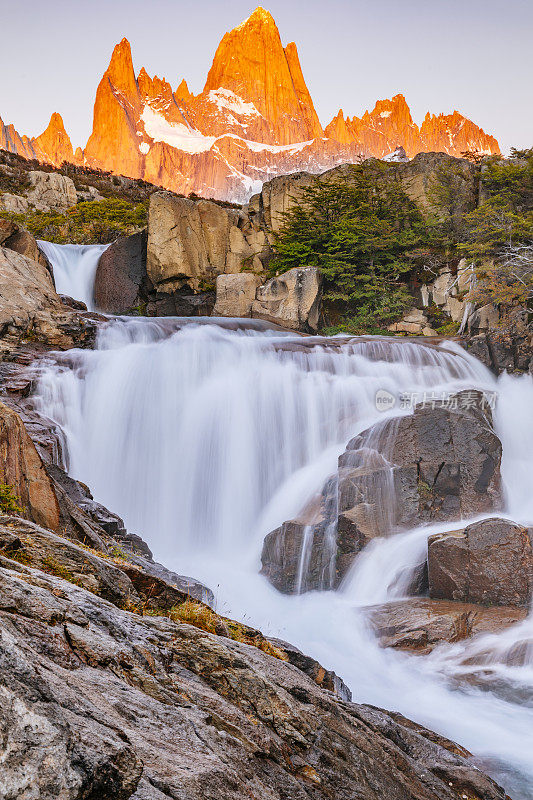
(74, 268)
(204, 435)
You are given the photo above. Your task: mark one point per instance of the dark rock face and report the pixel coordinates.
(490, 562)
(421, 624)
(102, 703)
(436, 464)
(300, 554)
(509, 351)
(121, 279)
(180, 304)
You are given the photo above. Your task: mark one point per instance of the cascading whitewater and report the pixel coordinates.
(206, 435)
(74, 267)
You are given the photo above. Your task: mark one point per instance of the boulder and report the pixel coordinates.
(26, 289)
(191, 242)
(440, 463)
(301, 554)
(30, 308)
(100, 702)
(24, 243)
(415, 322)
(51, 191)
(13, 203)
(489, 562)
(292, 300)
(420, 624)
(120, 281)
(235, 294)
(21, 469)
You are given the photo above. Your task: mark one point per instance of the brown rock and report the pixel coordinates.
(22, 470)
(421, 624)
(490, 562)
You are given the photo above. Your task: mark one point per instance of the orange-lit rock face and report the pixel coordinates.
(53, 144)
(253, 120)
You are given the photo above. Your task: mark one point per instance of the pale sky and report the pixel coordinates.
(472, 55)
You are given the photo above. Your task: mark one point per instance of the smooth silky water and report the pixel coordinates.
(204, 435)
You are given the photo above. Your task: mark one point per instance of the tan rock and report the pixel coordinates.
(13, 203)
(21, 469)
(51, 191)
(26, 290)
(235, 295)
(194, 241)
(292, 300)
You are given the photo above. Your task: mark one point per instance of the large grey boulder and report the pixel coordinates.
(489, 562)
(292, 300)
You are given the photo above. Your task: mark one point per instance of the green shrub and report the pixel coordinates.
(9, 502)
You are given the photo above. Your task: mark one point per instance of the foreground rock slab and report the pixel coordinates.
(102, 703)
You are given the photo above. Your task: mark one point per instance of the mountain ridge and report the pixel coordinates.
(254, 119)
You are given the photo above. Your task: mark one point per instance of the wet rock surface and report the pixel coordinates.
(420, 624)
(99, 702)
(489, 562)
(436, 464)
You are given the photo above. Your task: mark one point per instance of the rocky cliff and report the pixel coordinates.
(254, 119)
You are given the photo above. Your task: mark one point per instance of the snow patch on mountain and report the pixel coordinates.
(226, 99)
(175, 133)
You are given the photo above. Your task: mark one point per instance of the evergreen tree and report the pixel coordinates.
(365, 234)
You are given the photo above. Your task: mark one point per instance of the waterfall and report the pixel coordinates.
(74, 267)
(206, 435)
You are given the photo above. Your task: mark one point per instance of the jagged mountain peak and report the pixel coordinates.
(120, 72)
(254, 119)
(258, 17)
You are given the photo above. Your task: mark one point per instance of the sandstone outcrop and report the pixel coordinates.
(489, 562)
(292, 300)
(420, 624)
